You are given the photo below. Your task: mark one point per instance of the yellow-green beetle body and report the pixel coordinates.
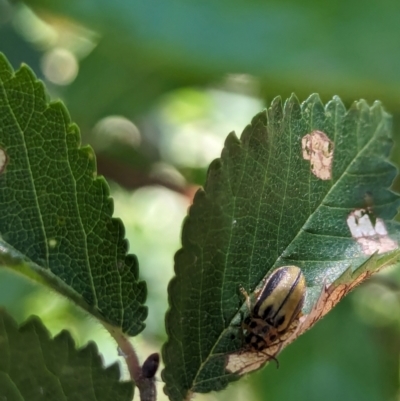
(277, 305)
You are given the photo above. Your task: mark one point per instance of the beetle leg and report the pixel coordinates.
(247, 298)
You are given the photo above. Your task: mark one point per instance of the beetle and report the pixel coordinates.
(277, 306)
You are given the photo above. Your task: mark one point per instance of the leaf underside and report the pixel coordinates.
(306, 185)
(35, 367)
(55, 210)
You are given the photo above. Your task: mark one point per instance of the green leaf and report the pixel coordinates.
(337, 48)
(35, 367)
(306, 185)
(55, 211)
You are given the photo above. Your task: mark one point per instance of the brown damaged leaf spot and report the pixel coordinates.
(318, 148)
(246, 361)
(371, 235)
(330, 296)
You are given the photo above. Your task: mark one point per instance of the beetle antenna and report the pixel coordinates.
(273, 358)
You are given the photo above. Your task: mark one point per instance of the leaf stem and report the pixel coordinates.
(146, 385)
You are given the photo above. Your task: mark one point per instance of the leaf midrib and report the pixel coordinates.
(21, 133)
(38, 208)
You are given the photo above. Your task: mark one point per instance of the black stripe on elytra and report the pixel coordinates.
(268, 289)
(275, 282)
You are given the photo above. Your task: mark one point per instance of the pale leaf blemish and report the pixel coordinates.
(245, 362)
(372, 236)
(318, 148)
(3, 160)
(52, 243)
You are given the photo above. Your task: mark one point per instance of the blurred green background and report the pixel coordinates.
(155, 88)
